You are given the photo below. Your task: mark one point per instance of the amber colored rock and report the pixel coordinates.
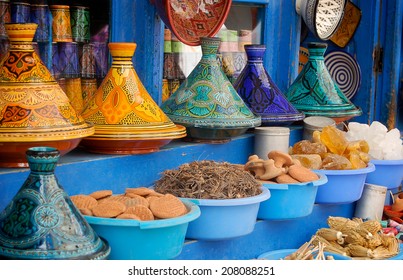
(311, 161)
(336, 162)
(356, 160)
(358, 146)
(307, 147)
(334, 140)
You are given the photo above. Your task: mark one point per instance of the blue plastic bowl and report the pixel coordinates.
(290, 201)
(222, 219)
(145, 240)
(343, 186)
(281, 254)
(388, 173)
(399, 256)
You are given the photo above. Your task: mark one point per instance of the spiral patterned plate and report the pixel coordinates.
(345, 71)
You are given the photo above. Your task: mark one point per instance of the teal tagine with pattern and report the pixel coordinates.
(315, 93)
(41, 222)
(207, 104)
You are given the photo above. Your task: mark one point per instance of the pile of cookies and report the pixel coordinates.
(140, 203)
(279, 168)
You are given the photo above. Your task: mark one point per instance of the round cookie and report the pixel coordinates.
(168, 206)
(141, 211)
(101, 194)
(109, 209)
(82, 201)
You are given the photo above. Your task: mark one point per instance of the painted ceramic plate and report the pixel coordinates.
(345, 71)
(189, 20)
(348, 26)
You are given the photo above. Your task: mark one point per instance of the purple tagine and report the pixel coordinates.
(261, 94)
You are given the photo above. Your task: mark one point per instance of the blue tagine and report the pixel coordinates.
(261, 94)
(41, 222)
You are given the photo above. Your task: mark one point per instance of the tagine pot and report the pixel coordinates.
(126, 118)
(42, 223)
(207, 104)
(315, 93)
(261, 94)
(34, 110)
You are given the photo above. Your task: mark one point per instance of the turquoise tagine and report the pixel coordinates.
(41, 222)
(207, 104)
(316, 94)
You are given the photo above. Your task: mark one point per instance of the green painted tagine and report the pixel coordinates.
(207, 104)
(42, 223)
(316, 94)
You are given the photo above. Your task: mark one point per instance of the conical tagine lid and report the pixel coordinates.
(33, 107)
(41, 221)
(207, 99)
(315, 93)
(122, 109)
(261, 94)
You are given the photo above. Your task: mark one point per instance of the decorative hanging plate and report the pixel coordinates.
(345, 71)
(348, 26)
(190, 20)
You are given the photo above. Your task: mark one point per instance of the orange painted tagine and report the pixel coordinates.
(34, 110)
(126, 118)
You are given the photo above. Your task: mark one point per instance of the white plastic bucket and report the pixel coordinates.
(370, 205)
(271, 138)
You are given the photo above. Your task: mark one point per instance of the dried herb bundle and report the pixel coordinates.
(208, 180)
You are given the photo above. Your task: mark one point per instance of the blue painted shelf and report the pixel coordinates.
(83, 172)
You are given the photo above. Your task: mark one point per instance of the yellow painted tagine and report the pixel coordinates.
(126, 118)
(34, 110)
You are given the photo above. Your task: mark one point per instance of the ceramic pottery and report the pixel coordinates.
(20, 12)
(88, 88)
(34, 109)
(314, 92)
(87, 61)
(69, 60)
(5, 17)
(126, 118)
(322, 17)
(101, 59)
(61, 24)
(75, 94)
(261, 94)
(80, 24)
(348, 26)
(40, 14)
(41, 222)
(207, 103)
(190, 20)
